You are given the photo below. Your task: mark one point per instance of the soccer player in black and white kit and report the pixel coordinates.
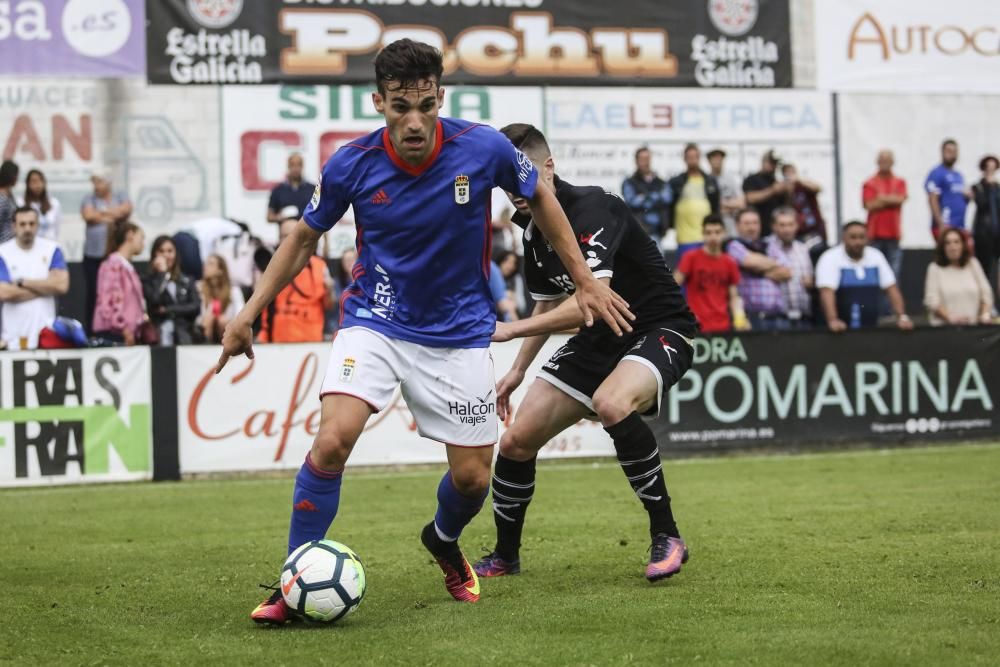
(620, 379)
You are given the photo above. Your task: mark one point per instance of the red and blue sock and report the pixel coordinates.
(314, 504)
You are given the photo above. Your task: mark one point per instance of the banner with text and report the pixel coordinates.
(73, 37)
(905, 46)
(228, 423)
(703, 43)
(75, 416)
(594, 132)
(163, 149)
(880, 385)
(263, 125)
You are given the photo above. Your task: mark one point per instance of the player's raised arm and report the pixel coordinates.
(292, 254)
(592, 296)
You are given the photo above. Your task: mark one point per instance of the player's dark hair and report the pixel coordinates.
(745, 211)
(940, 258)
(640, 150)
(949, 142)
(406, 63)
(713, 219)
(853, 223)
(528, 138)
(8, 174)
(691, 147)
(24, 209)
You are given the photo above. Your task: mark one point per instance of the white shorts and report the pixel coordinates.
(450, 391)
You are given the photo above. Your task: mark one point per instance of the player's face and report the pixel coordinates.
(855, 239)
(748, 226)
(25, 228)
(716, 162)
(712, 234)
(411, 115)
(785, 227)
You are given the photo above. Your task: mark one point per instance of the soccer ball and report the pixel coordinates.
(323, 580)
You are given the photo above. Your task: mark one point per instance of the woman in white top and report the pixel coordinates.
(36, 195)
(956, 290)
(220, 299)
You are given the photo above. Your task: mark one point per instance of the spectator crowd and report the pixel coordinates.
(751, 254)
(758, 256)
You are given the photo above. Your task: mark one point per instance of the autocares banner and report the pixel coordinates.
(75, 416)
(863, 386)
(263, 414)
(906, 46)
(694, 43)
(104, 38)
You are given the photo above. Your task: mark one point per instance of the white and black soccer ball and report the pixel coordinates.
(323, 580)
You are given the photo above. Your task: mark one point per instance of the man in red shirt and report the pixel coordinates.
(883, 195)
(711, 277)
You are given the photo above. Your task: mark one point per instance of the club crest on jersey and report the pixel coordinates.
(347, 370)
(462, 189)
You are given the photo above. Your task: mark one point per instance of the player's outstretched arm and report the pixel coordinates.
(567, 315)
(530, 347)
(292, 254)
(592, 297)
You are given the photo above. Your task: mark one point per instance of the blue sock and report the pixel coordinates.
(454, 511)
(314, 504)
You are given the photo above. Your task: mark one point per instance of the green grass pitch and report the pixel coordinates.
(852, 558)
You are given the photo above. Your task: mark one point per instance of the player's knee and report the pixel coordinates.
(330, 449)
(611, 407)
(515, 447)
(471, 480)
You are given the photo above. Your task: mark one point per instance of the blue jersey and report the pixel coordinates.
(949, 185)
(424, 233)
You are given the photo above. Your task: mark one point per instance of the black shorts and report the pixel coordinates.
(580, 366)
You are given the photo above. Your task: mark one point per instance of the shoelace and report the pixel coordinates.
(275, 588)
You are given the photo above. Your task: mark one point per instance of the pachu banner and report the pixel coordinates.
(863, 386)
(693, 43)
(75, 416)
(98, 38)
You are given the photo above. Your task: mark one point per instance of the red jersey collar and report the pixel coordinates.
(406, 166)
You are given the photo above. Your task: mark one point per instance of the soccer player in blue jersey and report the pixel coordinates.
(419, 313)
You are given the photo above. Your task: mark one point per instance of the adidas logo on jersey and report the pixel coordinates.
(381, 198)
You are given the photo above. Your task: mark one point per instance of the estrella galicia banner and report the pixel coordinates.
(75, 416)
(690, 43)
(806, 389)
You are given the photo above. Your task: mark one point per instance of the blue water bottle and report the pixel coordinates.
(855, 316)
